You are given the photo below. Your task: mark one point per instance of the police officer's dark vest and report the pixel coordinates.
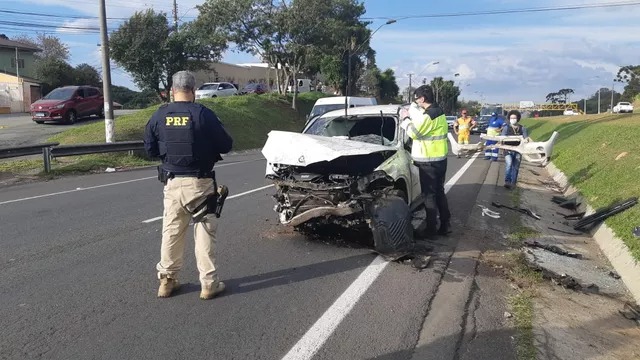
(177, 135)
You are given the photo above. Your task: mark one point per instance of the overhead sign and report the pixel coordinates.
(526, 104)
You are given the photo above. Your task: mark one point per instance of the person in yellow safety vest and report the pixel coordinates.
(426, 124)
(462, 127)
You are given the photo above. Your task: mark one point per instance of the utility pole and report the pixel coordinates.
(175, 15)
(613, 84)
(106, 75)
(599, 88)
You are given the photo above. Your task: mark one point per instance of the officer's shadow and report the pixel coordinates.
(285, 276)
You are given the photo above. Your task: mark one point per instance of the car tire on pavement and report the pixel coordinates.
(71, 117)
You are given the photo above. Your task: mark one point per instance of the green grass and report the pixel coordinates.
(586, 152)
(522, 307)
(247, 118)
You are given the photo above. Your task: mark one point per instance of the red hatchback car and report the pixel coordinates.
(68, 104)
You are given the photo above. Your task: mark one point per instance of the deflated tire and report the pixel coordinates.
(391, 227)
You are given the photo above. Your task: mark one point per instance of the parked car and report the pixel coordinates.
(216, 89)
(254, 88)
(68, 104)
(569, 112)
(451, 120)
(623, 107)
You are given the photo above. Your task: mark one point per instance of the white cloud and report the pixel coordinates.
(520, 61)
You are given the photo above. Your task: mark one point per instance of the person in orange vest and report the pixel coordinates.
(462, 128)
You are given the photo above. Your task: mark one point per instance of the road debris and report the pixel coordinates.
(614, 275)
(520, 209)
(508, 315)
(110, 169)
(604, 213)
(631, 312)
(553, 249)
(636, 232)
(564, 231)
(488, 212)
(621, 155)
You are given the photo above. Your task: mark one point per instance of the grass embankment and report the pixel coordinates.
(600, 154)
(248, 119)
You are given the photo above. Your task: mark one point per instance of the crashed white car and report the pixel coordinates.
(354, 171)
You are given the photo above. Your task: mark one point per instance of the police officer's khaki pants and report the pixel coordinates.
(181, 195)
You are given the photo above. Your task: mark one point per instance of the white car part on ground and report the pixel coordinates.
(537, 152)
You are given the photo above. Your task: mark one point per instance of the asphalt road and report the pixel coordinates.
(78, 278)
(19, 129)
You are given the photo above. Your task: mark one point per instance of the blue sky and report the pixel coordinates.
(500, 58)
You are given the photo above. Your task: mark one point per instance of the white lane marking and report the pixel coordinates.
(105, 185)
(318, 334)
(228, 198)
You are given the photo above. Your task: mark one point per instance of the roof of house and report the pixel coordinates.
(6, 43)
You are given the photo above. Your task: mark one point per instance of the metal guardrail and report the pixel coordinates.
(54, 150)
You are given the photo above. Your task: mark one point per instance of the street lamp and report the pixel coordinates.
(355, 51)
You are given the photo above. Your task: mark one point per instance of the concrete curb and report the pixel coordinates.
(613, 247)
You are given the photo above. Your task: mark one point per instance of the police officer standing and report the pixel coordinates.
(427, 125)
(189, 139)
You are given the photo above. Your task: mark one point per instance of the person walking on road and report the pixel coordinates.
(426, 124)
(462, 128)
(494, 128)
(512, 159)
(189, 139)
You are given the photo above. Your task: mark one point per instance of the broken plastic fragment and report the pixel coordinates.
(488, 212)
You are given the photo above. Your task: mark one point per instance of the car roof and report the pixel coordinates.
(340, 99)
(366, 110)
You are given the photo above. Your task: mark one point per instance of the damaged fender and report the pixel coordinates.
(537, 152)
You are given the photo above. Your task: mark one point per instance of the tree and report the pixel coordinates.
(54, 73)
(146, 48)
(85, 74)
(388, 85)
(560, 97)
(52, 47)
(473, 107)
(629, 75)
(446, 94)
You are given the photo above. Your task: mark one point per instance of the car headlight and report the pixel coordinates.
(61, 106)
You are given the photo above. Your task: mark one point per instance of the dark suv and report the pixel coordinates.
(68, 104)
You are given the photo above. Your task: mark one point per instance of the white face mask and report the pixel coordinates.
(513, 121)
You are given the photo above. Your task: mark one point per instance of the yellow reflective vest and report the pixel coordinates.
(429, 132)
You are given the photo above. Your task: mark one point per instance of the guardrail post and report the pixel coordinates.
(46, 154)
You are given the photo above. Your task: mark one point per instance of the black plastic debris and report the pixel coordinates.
(553, 249)
(564, 232)
(603, 213)
(614, 275)
(522, 210)
(636, 232)
(631, 312)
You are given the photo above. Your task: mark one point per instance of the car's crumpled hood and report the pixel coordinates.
(290, 148)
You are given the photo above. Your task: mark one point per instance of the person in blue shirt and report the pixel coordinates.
(512, 159)
(494, 128)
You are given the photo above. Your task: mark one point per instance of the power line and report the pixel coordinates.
(510, 11)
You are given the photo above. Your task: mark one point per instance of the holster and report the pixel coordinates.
(163, 175)
(213, 204)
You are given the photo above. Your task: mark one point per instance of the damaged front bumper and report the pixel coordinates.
(298, 202)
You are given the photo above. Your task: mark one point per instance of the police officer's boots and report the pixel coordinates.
(209, 292)
(167, 286)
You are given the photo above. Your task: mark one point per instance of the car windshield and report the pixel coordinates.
(60, 94)
(369, 129)
(625, 103)
(209, 87)
(323, 109)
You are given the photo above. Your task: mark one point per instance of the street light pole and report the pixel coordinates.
(350, 52)
(106, 75)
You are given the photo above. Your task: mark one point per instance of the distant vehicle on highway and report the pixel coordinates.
(482, 123)
(68, 104)
(569, 112)
(254, 88)
(623, 107)
(451, 120)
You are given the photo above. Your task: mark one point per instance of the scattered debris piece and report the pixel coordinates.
(604, 213)
(522, 210)
(621, 155)
(488, 212)
(534, 172)
(565, 232)
(553, 249)
(110, 169)
(614, 275)
(631, 312)
(418, 262)
(508, 315)
(577, 216)
(636, 232)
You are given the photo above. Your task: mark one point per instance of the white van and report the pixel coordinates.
(326, 104)
(304, 85)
